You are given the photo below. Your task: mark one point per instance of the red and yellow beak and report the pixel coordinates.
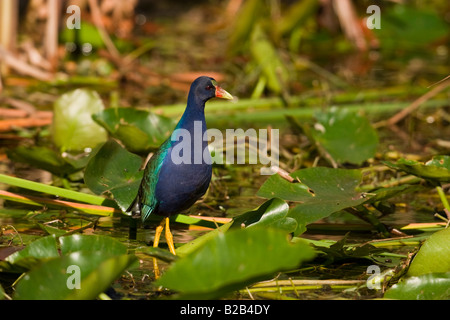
(221, 93)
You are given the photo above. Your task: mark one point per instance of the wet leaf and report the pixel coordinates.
(99, 260)
(272, 213)
(115, 170)
(346, 136)
(55, 279)
(233, 260)
(73, 127)
(431, 286)
(42, 158)
(42, 248)
(437, 169)
(140, 131)
(93, 243)
(433, 256)
(330, 190)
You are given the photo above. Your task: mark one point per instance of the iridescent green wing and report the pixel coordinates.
(146, 195)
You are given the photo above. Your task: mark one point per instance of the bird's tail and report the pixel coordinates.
(134, 208)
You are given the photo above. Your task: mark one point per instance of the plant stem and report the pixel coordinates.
(59, 192)
(443, 197)
(38, 201)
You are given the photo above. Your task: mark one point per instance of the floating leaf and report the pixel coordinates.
(431, 286)
(42, 248)
(346, 136)
(232, 260)
(98, 260)
(437, 169)
(113, 169)
(330, 190)
(94, 243)
(433, 256)
(272, 213)
(138, 130)
(73, 127)
(52, 280)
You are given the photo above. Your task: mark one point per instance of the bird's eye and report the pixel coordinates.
(209, 87)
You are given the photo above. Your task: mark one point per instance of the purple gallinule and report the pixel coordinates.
(174, 180)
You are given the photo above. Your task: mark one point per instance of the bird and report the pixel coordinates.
(179, 171)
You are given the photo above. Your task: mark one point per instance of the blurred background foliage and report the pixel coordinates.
(259, 47)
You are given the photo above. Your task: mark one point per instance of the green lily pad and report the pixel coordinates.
(431, 286)
(345, 136)
(139, 130)
(437, 169)
(73, 127)
(329, 190)
(92, 261)
(273, 213)
(94, 243)
(115, 170)
(42, 248)
(232, 260)
(433, 256)
(56, 279)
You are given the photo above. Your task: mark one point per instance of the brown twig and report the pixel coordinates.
(23, 67)
(414, 105)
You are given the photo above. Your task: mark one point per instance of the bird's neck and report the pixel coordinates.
(195, 111)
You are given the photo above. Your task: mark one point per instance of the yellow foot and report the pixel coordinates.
(169, 238)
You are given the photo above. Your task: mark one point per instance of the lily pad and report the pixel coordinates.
(273, 213)
(329, 190)
(345, 136)
(42, 248)
(55, 279)
(115, 170)
(437, 169)
(431, 286)
(92, 261)
(433, 256)
(232, 260)
(139, 130)
(73, 127)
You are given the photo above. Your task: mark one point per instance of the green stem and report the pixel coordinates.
(59, 192)
(443, 197)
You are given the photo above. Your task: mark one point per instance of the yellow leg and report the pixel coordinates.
(169, 238)
(158, 232)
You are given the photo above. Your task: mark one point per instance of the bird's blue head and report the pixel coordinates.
(205, 88)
